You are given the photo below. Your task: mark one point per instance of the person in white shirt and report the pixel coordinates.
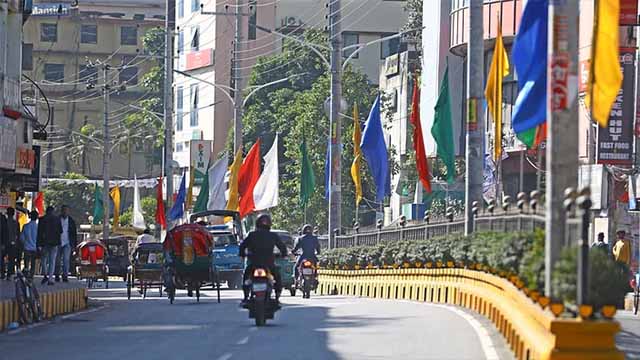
(145, 238)
(67, 243)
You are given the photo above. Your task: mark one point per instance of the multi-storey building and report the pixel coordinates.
(62, 42)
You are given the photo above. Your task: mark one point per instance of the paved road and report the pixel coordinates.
(323, 328)
(628, 340)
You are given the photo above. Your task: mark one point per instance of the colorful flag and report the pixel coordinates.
(115, 197)
(138, 217)
(605, 76)
(247, 179)
(38, 203)
(357, 155)
(307, 178)
(177, 211)
(442, 129)
(493, 92)
(203, 195)
(529, 55)
(374, 150)
(160, 215)
(418, 141)
(192, 179)
(233, 203)
(265, 193)
(217, 186)
(98, 207)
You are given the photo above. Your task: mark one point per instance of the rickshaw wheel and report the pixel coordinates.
(172, 294)
(106, 282)
(89, 283)
(144, 290)
(128, 290)
(160, 289)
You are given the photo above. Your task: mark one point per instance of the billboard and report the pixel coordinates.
(615, 142)
(51, 9)
(200, 156)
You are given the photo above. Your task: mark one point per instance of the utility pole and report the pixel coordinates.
(106, 156)
(335, 125)
(168, 99)
(235, 71)
(562, 115)
(475, 113)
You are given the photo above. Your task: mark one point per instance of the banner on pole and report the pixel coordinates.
(200, 155)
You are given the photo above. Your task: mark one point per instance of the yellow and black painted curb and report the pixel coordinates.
(53, 303)
(531, 331)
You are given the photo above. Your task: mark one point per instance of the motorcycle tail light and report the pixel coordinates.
(307, 264)
(259, 273)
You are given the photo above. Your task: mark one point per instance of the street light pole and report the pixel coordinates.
(475, 113)
(106, 156)
(335, 125)
(237, 92)
(168, 100)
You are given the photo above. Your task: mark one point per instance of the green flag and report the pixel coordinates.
(203, 196)
(442, 129)
(98, 206)
(307, 179)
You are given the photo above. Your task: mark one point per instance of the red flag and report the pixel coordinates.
(247, 178)
(160, 214)
(418, 142)
(38, 203)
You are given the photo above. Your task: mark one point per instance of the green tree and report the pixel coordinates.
(79, 197)
(295, 110)
(148, 205)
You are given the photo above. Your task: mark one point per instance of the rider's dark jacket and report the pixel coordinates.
(258, 247)
(310, 246)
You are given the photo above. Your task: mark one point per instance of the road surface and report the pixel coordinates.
(322, 328)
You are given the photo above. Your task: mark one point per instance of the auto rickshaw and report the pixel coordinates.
(189, 260)
(146, 268)
(285, 264)
(118, 256)
(91, 260)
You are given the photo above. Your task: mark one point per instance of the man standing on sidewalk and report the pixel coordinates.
(49, 232)
(67, 243)
(29, 238)
(622, 248)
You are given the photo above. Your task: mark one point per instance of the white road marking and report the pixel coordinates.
(243, 341)
(225, 356)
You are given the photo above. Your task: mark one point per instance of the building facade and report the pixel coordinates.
(63, 44)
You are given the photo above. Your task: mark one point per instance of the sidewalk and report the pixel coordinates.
(8, 291)
(628, 340)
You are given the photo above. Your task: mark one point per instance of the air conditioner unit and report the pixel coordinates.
(290, 21)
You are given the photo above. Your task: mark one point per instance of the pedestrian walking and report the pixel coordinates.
(49, 232)
(29, 239)
(622, 248)
(600, 245)
(13, 244)
(68, 242)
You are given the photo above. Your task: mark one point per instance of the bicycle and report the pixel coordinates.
(28, 299)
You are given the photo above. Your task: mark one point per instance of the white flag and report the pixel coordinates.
(138, 218)
(265, 193)
(217, 186)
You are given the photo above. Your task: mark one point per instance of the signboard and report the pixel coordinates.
(29, 182)
(199, 59)
(595, 177)
(51, 9)
(25, 160)
(200, 155)
(8, 139)
(392, 65)
(583, 80)
(628, 12)
(615, 142)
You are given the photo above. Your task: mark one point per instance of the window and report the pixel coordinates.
(195, 5)
(391, 46)
(181, 42)
(89, 34)
(193, 112)
(129, 35)
(88, 74)
(54, 72)
(180, 6)
(49, 32)
(195, 38)
(179, 147)
(253, 18)
(350, 39)
(179, 107)
(129, 74)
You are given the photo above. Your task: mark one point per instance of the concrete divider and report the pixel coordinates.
(56, 302)
(523, 318)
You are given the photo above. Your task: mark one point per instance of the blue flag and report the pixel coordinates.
(177, 211)
(374, 150)
(530, 59)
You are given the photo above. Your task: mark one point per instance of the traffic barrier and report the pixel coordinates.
(524, 318)
(53, 303)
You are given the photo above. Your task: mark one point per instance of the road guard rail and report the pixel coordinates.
(533, 328)
(56, 302)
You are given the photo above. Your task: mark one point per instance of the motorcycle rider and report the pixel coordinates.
(258, 247)
(310, 248)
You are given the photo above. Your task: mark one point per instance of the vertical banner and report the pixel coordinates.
(628, 12)
(615, 142)
(200, 155)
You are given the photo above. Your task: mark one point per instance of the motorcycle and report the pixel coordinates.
(307, 278)
(261, 305)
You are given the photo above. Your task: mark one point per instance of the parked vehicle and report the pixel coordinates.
(118, 256)
(146, 269)
(91, 260)
(261, 305)
(285, 264)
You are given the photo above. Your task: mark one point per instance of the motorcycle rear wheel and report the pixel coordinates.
(259, 311)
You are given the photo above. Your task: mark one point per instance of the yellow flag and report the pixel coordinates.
(22, 219)
(234, 198)
(115, 196)
(498, 70)
(605, 77)
(192, 176)
(357, 155)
